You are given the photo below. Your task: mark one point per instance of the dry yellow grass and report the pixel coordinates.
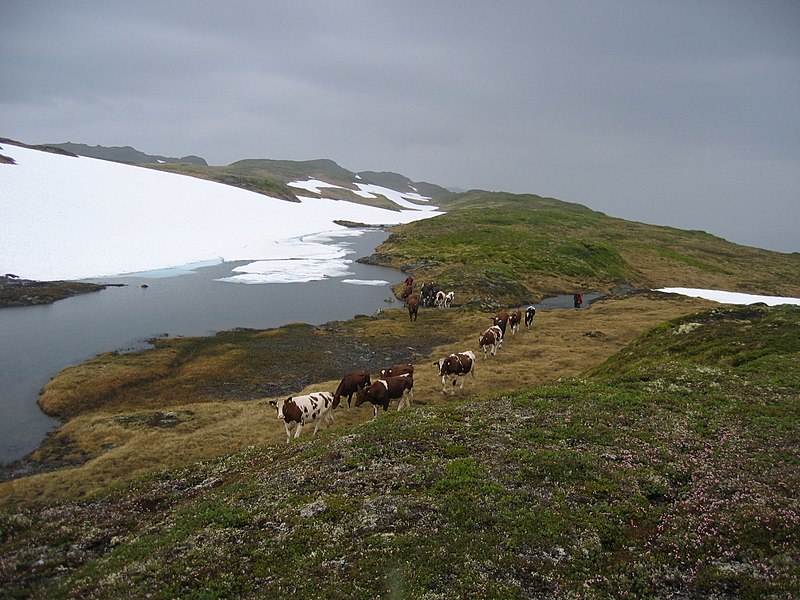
(125, 442)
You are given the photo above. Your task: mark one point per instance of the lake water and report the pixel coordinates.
(37, 342)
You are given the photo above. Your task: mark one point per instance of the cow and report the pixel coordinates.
(530, 312)
(413, 307)
(455, 366)
(492, 337)
(407, 291)
(383, 391)
(304, 409)
(448, 299)
(501, 320)
(514, 319)
(397, 370)
(428, 294)
(349, 385)
(439, 301)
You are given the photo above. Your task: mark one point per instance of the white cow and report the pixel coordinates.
(304, 409)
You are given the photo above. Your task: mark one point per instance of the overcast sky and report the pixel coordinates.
(673, 113)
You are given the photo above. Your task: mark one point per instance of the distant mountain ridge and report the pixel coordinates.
(267, 176)
(125, 154)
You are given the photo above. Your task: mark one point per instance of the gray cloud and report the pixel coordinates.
(675, 113)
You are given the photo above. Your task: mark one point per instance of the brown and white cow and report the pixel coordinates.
(304, 409)
(383, 391)
(454, 366)
(448, 299)
(413, 306)
(397, 370)
(349, 385)
(491, 338)
(439, 299)
(514, 319)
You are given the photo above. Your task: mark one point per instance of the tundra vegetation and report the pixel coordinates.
(644, 447)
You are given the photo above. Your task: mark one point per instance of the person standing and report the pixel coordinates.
(577, 299)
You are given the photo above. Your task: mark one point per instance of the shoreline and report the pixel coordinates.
(16, 292)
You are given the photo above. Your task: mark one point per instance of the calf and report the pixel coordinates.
(514, 319)
(304, 409)
(501, 320)
(492, 337)
(413, 306)
(439, 301)
(455, 366)
(448, 299)
(530, 312)
(349, 385)
(397, 370)
(383, 391)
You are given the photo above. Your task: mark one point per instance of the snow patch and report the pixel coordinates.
(730, 297)
(77, 218)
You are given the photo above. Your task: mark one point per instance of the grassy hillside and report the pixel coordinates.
(670, 470)
(518, 248)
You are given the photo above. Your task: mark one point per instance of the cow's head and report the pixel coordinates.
(279, 404)
(361, 395)
(439, 364)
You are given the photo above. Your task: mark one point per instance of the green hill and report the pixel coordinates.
(517, 248)
(669, 471)
(272, 176)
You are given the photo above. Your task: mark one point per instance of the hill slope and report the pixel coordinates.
(125, 154)
(517, 248)
(655, 476)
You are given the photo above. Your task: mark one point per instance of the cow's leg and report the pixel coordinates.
(288, 432)
(374, 412)
(444, 384)
(298, 430)
(318, 423)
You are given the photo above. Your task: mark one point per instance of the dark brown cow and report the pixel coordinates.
(304, 409)
(493, 338)
(397, 370)
(501, 320)
(413, 306)
(349, 385)
(455, 366)
(383, 391)
(407, 291)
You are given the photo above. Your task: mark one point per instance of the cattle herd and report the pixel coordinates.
(397, 382)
